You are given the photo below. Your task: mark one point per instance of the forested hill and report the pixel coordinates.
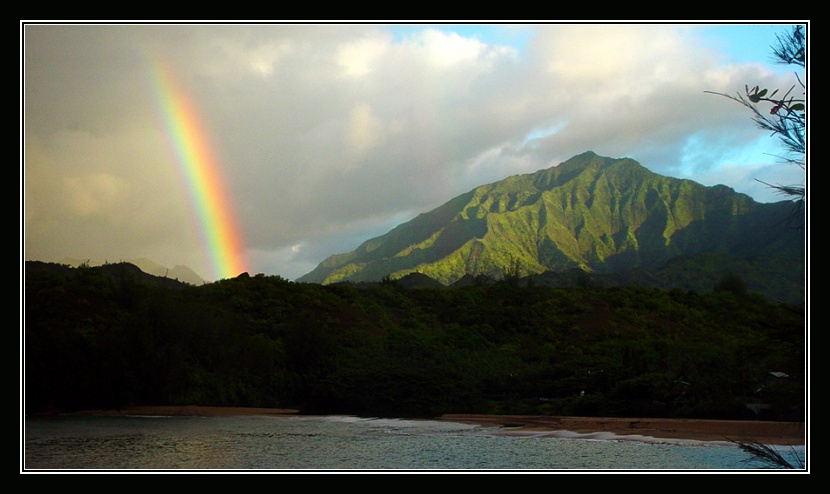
(106, 337)
(598, 214)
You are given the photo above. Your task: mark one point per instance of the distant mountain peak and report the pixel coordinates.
(179, 272)
(590, 212)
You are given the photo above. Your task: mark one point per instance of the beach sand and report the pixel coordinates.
(765, 432)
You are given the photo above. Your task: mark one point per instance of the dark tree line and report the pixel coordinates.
(103, 338)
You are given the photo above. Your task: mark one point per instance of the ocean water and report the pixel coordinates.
(343, 443)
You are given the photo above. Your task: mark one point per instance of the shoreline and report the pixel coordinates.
(674, 429)
(764, 432)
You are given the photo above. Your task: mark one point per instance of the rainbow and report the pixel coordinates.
(201, 172)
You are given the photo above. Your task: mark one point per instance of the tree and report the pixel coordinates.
(512, 271)
(787, 115)
(731, 283)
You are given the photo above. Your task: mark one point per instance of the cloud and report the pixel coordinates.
(365, 130)
(361, 57)
(330, 134)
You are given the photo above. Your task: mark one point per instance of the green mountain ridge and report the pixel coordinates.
(597, 214)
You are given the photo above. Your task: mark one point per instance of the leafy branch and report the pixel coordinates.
(787, 117)
(765, 453)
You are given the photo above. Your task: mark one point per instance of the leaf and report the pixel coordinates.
(756, 95)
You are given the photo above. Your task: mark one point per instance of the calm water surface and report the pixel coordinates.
(344, 443)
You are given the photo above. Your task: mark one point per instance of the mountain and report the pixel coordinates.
(121, 271)
(179, 272)
(601, 215)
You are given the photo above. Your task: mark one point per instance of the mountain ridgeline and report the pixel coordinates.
(178, 273)
(595, 214)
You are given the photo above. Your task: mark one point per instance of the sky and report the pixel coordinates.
(267, 147)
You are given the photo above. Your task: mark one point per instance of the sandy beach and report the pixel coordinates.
(766, 432)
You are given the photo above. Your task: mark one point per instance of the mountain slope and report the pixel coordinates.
(599, 214)
(179, 272)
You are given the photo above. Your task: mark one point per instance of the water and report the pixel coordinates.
(260, 443)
